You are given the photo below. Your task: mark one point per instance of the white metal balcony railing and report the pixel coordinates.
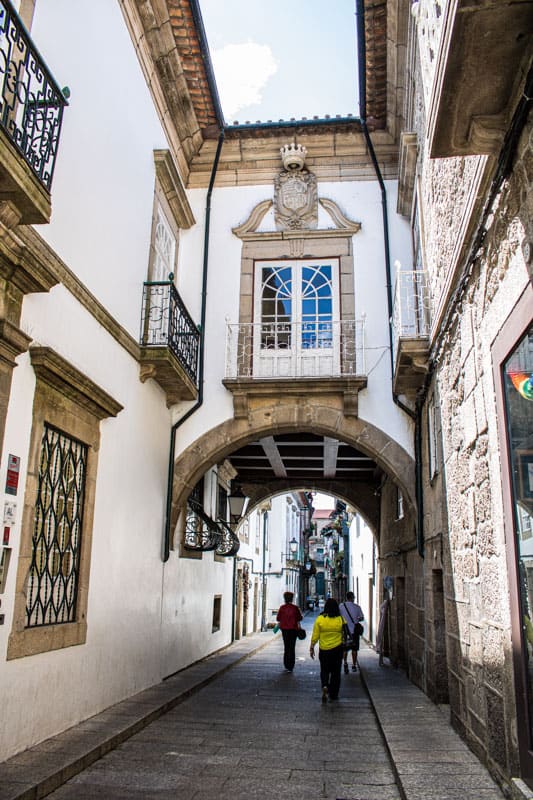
(411, 307)
(295, 350)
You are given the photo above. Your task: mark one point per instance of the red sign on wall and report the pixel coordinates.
(12, 479)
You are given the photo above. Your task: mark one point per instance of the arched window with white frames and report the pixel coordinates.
(296, 309)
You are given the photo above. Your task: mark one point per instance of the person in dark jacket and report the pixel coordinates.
(288, 618)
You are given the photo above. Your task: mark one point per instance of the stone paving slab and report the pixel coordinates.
(239, 748)
(431, 760)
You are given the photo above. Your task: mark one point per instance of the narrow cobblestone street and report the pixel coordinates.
(236, 725)
(239, 726)
(255, 732)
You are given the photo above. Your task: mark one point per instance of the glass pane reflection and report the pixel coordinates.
(518, 380)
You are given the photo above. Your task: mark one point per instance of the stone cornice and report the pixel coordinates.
(41, 253)
(55, 371)
(332, 155)
(151, 32)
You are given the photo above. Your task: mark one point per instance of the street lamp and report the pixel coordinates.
(238, 503)
(293, 547)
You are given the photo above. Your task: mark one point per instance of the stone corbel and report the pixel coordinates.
(486, 134)
(351, 403)
(13, 342)
(240, 405)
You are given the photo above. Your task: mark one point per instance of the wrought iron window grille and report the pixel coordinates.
(165, 322)
(32, 103)
(56, 544)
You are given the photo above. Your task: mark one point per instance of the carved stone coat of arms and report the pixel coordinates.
(295, 200)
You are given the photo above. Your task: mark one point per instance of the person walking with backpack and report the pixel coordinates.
(353, 615)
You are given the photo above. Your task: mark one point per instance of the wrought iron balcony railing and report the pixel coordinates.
(295, 350)
(165, 322)
(203, 534)
(31, 101)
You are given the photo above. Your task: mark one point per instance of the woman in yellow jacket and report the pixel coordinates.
(328, 632)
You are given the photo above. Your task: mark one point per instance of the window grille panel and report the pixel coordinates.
(56, 544)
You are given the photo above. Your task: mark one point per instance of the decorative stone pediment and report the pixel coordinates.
(343, 226)
(295, 206)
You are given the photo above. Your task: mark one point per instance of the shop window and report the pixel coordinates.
(518, 398)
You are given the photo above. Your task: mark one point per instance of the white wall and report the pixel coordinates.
(102, 209)
(361, 570)
(231, 206)
(103, 184)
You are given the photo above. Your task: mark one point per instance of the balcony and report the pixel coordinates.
(295, 350)
(410, 331)
(169, 342)
(31, 114)
(300, 359)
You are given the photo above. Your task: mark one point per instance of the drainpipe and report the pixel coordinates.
(234, 599)
(201, 358)
(416, 415)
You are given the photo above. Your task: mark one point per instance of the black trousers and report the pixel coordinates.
(330, 669)
(289, 654)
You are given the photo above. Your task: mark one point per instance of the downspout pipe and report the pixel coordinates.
(416, 415)
(201, 355)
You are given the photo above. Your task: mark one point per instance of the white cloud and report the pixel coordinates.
(242, 71)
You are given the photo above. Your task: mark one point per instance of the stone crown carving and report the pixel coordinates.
(293, 156)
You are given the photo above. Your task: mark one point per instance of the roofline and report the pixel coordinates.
(206, 58)
(294, 123)
(252, 126)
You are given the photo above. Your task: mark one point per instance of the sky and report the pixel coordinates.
(283, 59)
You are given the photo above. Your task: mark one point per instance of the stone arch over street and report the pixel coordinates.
(363, 498)
(313, 417)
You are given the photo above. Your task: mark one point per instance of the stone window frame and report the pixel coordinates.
(333, 248)
(171, 198)
(399, 505)
(68, 400)
(217, 613)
